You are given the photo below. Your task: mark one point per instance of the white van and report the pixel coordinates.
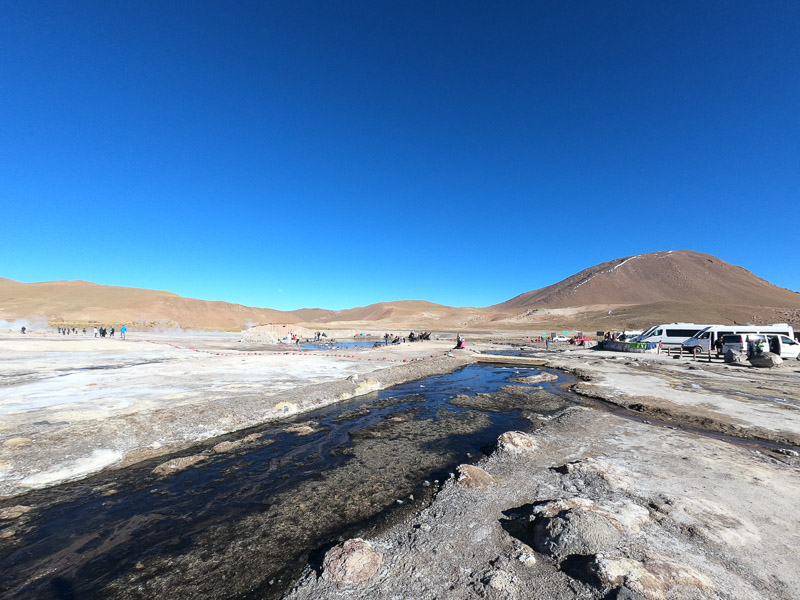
(786, 347)
(783, 346)
(670, 334)
(743, 342)
(708, 337)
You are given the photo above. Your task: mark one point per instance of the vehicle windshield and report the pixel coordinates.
(647, 332)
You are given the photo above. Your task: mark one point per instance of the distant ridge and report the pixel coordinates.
(630, 292)
(387, 311)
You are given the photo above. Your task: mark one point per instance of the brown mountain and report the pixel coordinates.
(667, 286)
(629, 292)
(656, 277)
(84, 302)
(398, 314)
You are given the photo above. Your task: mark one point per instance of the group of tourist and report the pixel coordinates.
(291, 337)
(425, 335)
(103, 332)
(98, 332)
(387, 339)
(68, 330)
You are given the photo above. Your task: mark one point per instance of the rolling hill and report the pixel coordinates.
(84, 302)
(628, 292)
(401, 313)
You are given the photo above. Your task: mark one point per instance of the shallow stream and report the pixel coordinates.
(243, 523)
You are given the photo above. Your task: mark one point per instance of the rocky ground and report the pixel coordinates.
(597, 504)
(676, 479)
(74, 405)
(743, 401)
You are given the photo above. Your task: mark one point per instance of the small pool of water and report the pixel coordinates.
(339, 345)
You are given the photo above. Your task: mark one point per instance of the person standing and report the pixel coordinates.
(547, 343)
(95, 332)
(122, 331)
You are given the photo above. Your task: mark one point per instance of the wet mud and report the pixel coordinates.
(243, 523)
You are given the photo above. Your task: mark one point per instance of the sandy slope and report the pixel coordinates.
(84, 302)
(656, 277)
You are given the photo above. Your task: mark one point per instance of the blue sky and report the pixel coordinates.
(335, 154)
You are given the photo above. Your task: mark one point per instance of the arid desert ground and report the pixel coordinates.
(667, 478)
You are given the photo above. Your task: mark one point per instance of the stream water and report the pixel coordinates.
(243, 523)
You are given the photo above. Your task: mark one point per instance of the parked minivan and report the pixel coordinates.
(670, 334)
(744, 342)
(782, 345)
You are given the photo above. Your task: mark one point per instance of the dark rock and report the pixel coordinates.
(623, 593)
(766, 360)
(575, 531)
(786, 452)
(735, 358)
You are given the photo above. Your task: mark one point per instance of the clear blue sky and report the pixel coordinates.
(334, 154)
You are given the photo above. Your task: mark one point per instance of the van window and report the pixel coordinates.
(684, 333)
(656, 332)
(787, 341)
(704, 336)
(732, 339)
